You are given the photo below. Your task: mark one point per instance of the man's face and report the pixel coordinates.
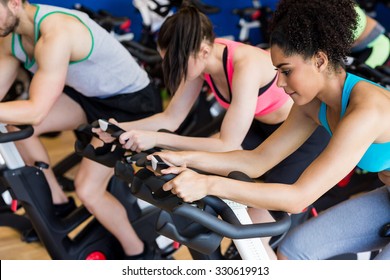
(8, 21)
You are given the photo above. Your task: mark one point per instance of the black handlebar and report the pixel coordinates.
(146, 186)
(229, 226)
(375, 75)
(24, 132)
(108, 154)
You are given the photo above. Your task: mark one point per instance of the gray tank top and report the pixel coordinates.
(107, 70)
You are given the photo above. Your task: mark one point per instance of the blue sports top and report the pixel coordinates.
(377, 156)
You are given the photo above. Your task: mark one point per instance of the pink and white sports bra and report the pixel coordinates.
(270, 97)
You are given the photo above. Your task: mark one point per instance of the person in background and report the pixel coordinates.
(80, 74)
(372, 44)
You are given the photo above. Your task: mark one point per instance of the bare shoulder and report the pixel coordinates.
(254, 61)
(251, 53)
(369, 104)
(370, 96)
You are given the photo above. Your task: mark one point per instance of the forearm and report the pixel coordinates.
(269, 196)
(186, 143)
(19, 112)
(223, 163)
(152, 123)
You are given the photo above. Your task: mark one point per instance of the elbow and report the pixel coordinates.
(169, 128)
(172, 126)
(251, 168)
(230, 147)
(37, 118)
(295, 209)
(169, 122)
(35, 122)
(296, 206)
(253, 173)
(224, 145)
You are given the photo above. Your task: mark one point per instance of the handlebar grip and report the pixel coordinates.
(124, 171)
(160, 193)
(233, 231)
(107, 155)
(87, 129)
(24, 132)
(147, 186)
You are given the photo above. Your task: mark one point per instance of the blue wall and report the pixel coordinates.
(225, 22)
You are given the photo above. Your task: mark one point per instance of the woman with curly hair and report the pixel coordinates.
(308, 54)
(243, 81)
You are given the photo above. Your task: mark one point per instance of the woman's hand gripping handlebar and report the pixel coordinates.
(146, 185)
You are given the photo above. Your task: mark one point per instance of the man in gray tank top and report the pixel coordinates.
(80, 74)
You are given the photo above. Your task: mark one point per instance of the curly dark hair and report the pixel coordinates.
(306, 27)
(180, 36)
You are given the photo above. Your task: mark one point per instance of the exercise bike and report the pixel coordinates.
(8, 206)
(154, 13)
(205, 117)
(256, 17)
(78, 235)
(203, 224)
(196, 225)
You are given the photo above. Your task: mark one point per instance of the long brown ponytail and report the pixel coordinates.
(179, 37)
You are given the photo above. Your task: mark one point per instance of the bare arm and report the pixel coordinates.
(284, 141)
(236, 123)
(52, 54)
(142, 134)
(355, 133)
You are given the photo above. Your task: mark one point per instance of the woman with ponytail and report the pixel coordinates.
(243, 81)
